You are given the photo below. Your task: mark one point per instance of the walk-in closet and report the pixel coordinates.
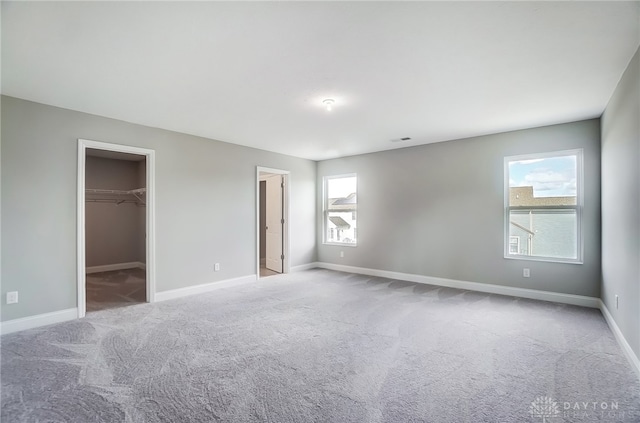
(115, 228)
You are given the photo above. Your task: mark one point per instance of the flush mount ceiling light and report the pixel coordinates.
(328, 104)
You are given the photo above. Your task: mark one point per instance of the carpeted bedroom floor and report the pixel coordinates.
(117, 288)
(323, 346)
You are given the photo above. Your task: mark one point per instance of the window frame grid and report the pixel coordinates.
(578, 207)
(325, 209)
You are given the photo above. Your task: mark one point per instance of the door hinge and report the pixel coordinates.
(282, 257)
(282, 221)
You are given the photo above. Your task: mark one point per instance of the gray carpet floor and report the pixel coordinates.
(323, 346)
(117, 288)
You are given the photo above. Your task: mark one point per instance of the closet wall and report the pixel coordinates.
(114, 232)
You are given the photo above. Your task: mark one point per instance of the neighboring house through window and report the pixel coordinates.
(543, 206)
(340, 209)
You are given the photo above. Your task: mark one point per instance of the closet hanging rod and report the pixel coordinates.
(98, 195)
(113, 200)
(115, 191)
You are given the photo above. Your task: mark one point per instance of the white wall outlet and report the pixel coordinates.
(526, 273)
(617, 301)
(12, 297)
(216, 267)
(341, 253)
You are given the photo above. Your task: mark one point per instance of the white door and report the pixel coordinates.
(274, 223)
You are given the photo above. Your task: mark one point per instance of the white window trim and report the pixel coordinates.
(325, 210)
(578, 207)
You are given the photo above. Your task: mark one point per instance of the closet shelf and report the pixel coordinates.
(136, 196)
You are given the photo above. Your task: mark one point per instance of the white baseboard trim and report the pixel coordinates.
(206, 287)
(17, 325)
(534, 294)
(622, 341)
(302, 267)
(116, 266)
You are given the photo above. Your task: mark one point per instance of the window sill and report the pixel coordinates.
(340, 244)
(544, 259)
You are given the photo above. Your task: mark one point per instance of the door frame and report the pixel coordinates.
(286, 250)
(83, 145)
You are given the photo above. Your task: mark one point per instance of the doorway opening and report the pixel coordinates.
(115, 226)
(272, 221)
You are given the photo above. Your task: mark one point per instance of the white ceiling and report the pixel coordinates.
(255, 73)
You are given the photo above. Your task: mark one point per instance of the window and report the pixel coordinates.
(543, 206)
(340, 209)
(514, 245)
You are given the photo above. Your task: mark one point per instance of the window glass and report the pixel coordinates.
(543, 206)
(340, 209)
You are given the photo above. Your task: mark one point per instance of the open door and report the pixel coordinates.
(275, 223)
(272, 221)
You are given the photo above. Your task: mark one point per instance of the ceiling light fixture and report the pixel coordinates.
(328, 104)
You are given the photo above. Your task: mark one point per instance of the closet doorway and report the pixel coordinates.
(115, 226)
(272, 221)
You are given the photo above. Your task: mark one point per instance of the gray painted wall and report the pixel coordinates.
(205, 204)
(437, 210)
(114, 232)
(621, 204)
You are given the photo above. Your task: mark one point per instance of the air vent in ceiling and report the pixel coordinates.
(401, 139)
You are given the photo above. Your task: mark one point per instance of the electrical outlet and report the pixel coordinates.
(12, 297)
(617, 301)
(526, 273)
(341, 253)
(216, 267)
